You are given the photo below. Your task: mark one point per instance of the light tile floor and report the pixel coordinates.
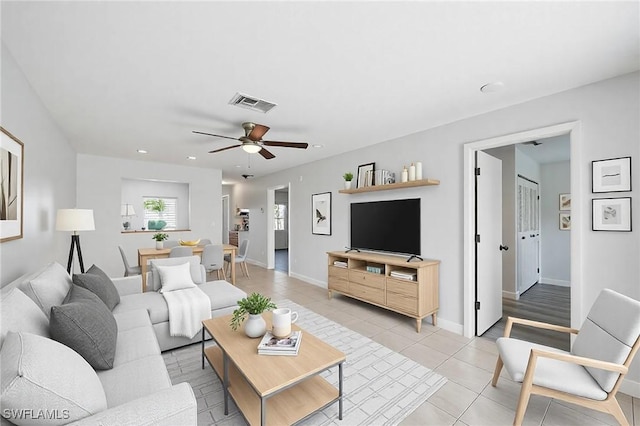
(468, 397)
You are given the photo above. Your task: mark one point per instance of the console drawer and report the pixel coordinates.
(403, 287)
(375, 295)
(367, 279)
(336, 271)
(338, 284)
(401, 302)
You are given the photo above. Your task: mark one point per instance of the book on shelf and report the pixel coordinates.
(271, 345)
(339, 263)
(404, 275)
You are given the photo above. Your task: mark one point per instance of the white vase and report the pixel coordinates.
(159, 245)
(347, 184)
(255, 326)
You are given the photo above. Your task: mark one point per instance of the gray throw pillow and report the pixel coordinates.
(85, 324)
(99, 283)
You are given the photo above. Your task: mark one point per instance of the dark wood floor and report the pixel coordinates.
(542, 302)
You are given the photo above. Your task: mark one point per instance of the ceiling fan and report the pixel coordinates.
(252, 141)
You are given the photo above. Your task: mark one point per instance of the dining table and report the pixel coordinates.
(145, 254)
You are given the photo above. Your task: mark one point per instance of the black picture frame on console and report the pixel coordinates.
(365, 175)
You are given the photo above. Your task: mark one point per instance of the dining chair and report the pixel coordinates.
(213, 259)
(591, 373)
(129, 270)
(205, 241)
(241, 257)
(181, 251)
(170, 243)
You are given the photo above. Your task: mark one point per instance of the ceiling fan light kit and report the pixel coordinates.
(252, 141)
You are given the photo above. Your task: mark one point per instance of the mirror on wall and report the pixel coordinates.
(153, 205)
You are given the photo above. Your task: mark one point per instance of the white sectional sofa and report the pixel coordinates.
(46, 382)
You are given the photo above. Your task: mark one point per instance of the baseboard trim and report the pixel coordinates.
(630, 388)
(309, 280)
(551, 281)
(451, 326)
(510, 295)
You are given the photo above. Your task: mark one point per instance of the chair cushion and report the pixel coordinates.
(85, 324)
(174, 278)
(39, 373)
(549, 373)
(194, 262)
(20, 313)
(608, 337)
(99, 283)
(49, 288)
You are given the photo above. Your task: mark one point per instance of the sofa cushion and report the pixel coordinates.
(222, 294)
(174, 278)
(134, 344)
(20, 313)
(135, 318)
(151, 302)
(99, 283)
(48, 288)
(134, 379)
(41, 373)
(194, 262)
(85, 324)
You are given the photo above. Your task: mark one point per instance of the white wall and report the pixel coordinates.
(556, 244)
(608, 113)
(99, 188)
(49, 176)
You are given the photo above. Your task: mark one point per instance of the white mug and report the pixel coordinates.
(282, 318)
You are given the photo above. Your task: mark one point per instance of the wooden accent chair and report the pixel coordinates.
(591, 373)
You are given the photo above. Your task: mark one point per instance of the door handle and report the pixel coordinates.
(503, 247)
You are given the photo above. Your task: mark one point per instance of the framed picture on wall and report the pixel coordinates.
(612, 175)
(611, 214)
(11, 186)
(565, 202)
(321, 214)
(565, 221)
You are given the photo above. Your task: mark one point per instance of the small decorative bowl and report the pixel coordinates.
(189, 243)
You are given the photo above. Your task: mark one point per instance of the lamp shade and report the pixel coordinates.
(127, 210)
(251, 148)
(75, 220)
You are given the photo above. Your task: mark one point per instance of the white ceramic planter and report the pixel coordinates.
(159, 245)
(347, 184)
(255, 326)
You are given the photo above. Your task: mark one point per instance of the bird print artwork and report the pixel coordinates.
(319, 217)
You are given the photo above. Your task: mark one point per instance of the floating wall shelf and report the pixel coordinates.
(399, 185)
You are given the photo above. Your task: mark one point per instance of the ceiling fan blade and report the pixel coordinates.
(266, 154)
(258, 132)
(217, 136)
(224, 149)
(302, 145)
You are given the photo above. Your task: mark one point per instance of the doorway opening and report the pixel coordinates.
(225, 219)
(278, 253)
(573, 131)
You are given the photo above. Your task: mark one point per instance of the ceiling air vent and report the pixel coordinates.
(251, 103)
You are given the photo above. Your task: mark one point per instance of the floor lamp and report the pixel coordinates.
(75, 220)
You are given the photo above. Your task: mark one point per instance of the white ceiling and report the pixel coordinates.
(118, 76)
(549, 150)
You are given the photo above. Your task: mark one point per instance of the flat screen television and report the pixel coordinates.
(390, 226)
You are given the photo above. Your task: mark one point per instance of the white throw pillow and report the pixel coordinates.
(49, 288)
(20, 313)
(175, 277)
(45, 382)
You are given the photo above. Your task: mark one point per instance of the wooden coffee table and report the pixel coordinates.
(275, 390)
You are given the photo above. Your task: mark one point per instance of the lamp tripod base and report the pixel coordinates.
(75, 243)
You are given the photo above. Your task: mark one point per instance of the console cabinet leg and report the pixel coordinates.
(330, 293)
(434, 319)
(418, 324)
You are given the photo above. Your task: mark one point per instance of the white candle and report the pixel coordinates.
(412, 172)
(418, 170)
(404, 174)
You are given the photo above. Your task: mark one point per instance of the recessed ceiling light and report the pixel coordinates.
(492, 87)
(317, 145)
(142, 151)
(237, 166)
(191, 157)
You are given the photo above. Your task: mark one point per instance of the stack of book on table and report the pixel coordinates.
(404, 275)
(339, 263)
(271, 345)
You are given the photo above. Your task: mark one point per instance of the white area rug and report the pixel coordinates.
(381, 387)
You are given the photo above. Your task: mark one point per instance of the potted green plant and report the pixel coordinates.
(160, 237)
(155, 205)
(348, 177)
(252, 306)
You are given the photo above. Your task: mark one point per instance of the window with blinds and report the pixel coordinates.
(279, 213)
(169, 214)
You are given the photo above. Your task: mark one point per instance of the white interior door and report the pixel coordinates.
(528, 248)
(488, 241)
